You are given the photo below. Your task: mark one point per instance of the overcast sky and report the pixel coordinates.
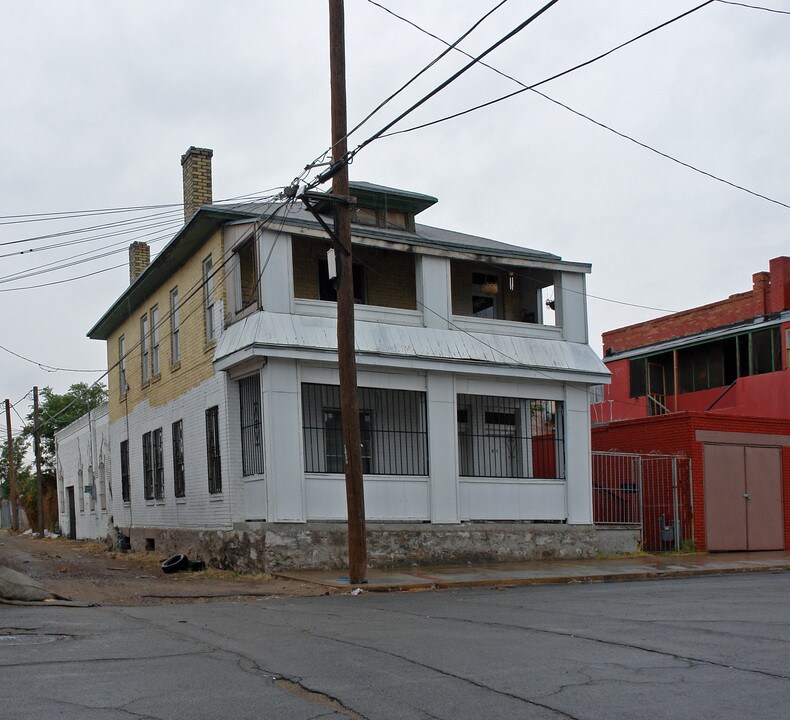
(100, 99)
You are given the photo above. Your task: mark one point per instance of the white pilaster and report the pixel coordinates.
(434, 291)
(578, 459)
(442, 430)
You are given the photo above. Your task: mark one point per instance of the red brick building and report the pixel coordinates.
(713, 384)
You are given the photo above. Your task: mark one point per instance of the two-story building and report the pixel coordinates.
(711, 384)
(224, 403)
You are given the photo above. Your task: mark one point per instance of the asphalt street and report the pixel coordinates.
(712, 647)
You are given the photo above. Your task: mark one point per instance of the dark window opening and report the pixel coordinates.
(248, 274)
(125, 471)
(213, 451)
(148, 467)
(179, 480)
(328, 291)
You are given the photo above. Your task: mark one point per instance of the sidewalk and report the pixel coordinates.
(544, 572)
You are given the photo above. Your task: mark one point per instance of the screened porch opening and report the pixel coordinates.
(500, 437)
(393, 425)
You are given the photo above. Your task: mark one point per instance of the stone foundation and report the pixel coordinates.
(321, 546)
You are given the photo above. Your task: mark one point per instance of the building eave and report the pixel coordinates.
(186, 241)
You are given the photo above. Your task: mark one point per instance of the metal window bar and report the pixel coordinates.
(393, 425)
(159, 464)
(148, 467)
(213, 450)
(125, 495)
(510, 437)
(251, 427)
(179, 484)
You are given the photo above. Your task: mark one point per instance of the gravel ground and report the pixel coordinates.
(87, 572)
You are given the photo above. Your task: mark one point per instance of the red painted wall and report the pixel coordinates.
(675, 434)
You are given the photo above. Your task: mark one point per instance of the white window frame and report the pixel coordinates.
(145, 369)
(208, 299)
(175, 328)
(155, 368)
(124, 386)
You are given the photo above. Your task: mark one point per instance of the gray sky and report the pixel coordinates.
(100, 99)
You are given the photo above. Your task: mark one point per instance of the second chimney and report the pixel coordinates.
(139, 259)
(196, 165)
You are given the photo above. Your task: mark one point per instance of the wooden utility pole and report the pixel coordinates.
(349, 403)
(11, 468)
(37, 446)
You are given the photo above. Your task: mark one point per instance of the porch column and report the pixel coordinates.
(577, 454)
(442, 430)
(284, 461)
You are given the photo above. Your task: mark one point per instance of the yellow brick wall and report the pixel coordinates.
(196, 356)
(390, 275)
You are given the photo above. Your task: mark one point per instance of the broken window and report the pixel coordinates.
(125, 470)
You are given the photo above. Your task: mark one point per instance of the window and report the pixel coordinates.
(175, 328)
(208, 299)
(92, 488)
(102, 489)
(155, 341)
(122, 365)
(251, 435)
(327, 289)
(144, 349)
(213, 450)
(159, 465)
(393, 430)
(125, 471)
(179, 484)
(81, 490)
(485, 287)
(502, 437)
(148, 467)
(247, 275)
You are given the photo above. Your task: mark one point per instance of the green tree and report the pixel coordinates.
(55, 411)
(24, 475)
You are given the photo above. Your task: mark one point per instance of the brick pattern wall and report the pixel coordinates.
(770, 293)
(196, 356)
(390, 275)
(139, 259)
(676, 433)
(196, 167)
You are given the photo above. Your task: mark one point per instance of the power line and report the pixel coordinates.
(348, 157)
(600, 124)
(755, 7)
(425, 68)
(382, 134)
(44, 366)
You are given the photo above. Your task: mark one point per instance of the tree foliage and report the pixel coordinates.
(56, 411)
(24, 475)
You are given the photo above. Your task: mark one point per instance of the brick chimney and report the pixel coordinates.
(139, 259)
(779, 292)
(760, 283)
(196, 165)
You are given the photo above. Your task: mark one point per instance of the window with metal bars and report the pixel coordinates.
(251, 429)
(393, 428)
(125, 495)
(510, 437)
(179, 483)
(148, 467)
(159, 464)
(213, 451)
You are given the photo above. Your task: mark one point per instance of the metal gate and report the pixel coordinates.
(651, 491)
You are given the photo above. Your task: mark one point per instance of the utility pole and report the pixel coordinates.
(37, 446)
(347, 364)
(11, 468)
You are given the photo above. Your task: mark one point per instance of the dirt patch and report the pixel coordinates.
(87, 572)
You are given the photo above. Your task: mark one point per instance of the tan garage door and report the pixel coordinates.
(743, 497)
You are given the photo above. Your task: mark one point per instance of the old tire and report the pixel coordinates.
(175, 563)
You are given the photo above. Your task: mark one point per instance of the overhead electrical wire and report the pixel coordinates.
(44, 366)
(754, 7)
(383, 134)
(600, 124)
